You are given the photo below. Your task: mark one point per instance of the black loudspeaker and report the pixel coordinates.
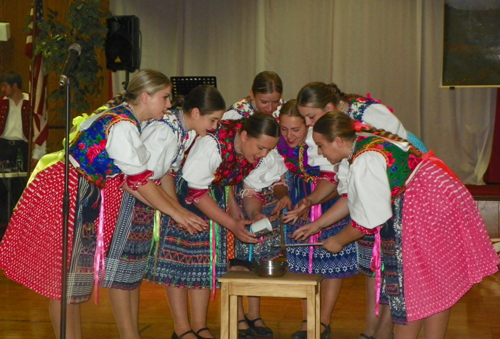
(123, 43)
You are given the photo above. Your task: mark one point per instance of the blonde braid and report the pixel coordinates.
(383, 133)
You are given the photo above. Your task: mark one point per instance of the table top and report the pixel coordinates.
(13, 174)
(287, 279)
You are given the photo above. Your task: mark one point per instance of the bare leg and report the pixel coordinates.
(73, 323)
(378, 327)
(125, 307)
(303, 324)
(199, 300)
(435, 326)
(241, 312)
(385, 326)
(409, 331)
(178, 301)
(330, 289)
(371, 318)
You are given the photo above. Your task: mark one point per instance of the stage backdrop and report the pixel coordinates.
(391, 49)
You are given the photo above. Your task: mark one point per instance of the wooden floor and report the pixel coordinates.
(23, 313)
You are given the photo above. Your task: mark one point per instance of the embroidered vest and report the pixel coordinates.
(89, 146)
(234, 167)
(25, 116)
(399, 163)
(296, 160)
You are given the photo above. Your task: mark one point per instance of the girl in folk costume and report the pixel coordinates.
(265, 97)
(189, 265)
(314, 100)
(166, 140)
(105, 153)
(302, 180)
(429, 233)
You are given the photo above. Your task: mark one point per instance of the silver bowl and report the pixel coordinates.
(271, 268)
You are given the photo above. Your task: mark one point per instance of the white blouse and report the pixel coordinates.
(123, 145)
(376, 115)
(379, 116)
(204, 159)
(165, 142)
(367, 187)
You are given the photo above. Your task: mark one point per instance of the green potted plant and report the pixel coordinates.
(85, 25)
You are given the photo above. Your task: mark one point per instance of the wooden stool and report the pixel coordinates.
(291, 285)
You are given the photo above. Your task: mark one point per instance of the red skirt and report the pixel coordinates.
(31, 250)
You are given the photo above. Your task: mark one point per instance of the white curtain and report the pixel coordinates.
(391, 49)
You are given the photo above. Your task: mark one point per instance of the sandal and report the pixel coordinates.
(326, 333)
(248, 333)
(175, 336)
(262, 331)
(300, 334)
(202, 330)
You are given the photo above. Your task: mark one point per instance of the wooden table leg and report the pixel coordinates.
(312, 318)
(318, 310)
(233, 317)
(224, 321)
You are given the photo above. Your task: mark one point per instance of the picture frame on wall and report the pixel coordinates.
(471, 46)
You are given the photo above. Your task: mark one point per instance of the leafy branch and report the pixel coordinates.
(85, 25)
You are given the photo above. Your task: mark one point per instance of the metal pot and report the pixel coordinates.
(270, 268)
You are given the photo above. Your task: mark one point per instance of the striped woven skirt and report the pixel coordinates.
(189, 261)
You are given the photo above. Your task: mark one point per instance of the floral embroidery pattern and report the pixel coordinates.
(95, 150)
(296, 160)
(88, 148)
(234, 167)
(358, 106)
(245, 109)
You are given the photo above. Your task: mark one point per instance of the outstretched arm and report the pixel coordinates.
(321, 193)
(155, 197)
(335, 213)
(208, 206)
(345, 236)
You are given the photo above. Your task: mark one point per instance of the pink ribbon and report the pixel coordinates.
(213, 258)
(375, 266)
(99, 264)
(315, 214)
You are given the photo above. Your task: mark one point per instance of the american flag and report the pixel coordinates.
(38, 85)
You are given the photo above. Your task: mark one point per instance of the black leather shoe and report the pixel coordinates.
(202, 330)
(300, 334)
(175, 336)
(248, 333)
(262, 331)
(326, 333)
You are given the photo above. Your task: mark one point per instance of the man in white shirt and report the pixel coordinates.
(15, 115)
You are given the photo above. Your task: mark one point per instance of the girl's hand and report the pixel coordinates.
(239, 230)
(257, 217)
(302, 207)
(190, 222)
(332, 245)
(304, 232)
(284, 202)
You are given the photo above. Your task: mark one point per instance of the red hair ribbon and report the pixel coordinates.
(358, 126)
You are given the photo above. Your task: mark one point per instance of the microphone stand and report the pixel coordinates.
(64, 301)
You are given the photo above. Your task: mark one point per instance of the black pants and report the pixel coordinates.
(8, 152)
